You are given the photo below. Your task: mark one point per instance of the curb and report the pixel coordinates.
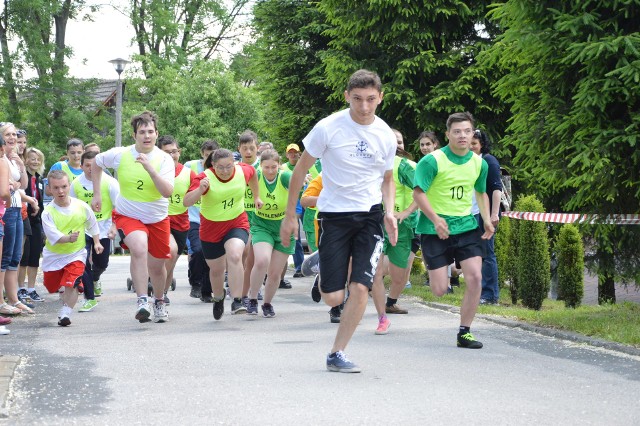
(545, 331)
(8, 366)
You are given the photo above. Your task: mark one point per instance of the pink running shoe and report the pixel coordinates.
(383, 325)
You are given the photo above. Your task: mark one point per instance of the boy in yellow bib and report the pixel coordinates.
(96, 263)
(64, 222)
(146, 177)
(178, 215)
(444, 182)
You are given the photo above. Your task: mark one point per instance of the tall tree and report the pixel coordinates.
(286, 61)
(569, 73)
(424, 51)
(7, 64)
(176, 31)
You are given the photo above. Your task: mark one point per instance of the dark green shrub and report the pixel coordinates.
(504, 252)
(570, 252)
(533, 262)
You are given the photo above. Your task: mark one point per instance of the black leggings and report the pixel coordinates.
(33, 244)
(94, 269)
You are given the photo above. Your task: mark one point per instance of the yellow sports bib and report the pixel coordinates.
(67, 225)
(180, 187)
(135, 182)
(224, 200)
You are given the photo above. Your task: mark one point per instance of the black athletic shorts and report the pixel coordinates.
(181, 239)
(353, 235)
(437, 253)
(215, 250)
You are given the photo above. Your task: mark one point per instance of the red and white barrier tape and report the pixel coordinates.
(611, 219)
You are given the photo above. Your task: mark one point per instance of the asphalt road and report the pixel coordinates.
(106, 368)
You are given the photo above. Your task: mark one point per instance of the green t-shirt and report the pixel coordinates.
(448, 180)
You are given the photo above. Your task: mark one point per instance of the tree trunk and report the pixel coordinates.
(7, 66)
(606, 283)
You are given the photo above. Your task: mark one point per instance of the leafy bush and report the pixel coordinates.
(417, 267)
(570, 253)
(533, 261)
(504, 252)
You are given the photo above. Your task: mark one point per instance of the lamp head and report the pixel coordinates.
(119, 64)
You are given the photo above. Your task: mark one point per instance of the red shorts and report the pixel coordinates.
(158, 233)
(68, 276)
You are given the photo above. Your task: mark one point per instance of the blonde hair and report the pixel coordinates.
(39, 154)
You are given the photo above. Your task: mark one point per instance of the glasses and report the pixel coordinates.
(224, 168)
(173, 152)
(459, 132)
(21, 132)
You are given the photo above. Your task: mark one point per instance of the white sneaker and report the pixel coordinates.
(4, 330)
(144, 310)
(160, 313)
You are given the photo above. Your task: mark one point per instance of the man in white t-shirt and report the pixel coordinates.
(357, 149)
(146, 177)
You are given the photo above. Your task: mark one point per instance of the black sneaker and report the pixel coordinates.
(267, 310)
(64, 321)
(195, 293)
(218, 308)
(237, 307)
(315, 290)
(23, 295)
(35, 297)
(334, 314)
(467, 340)
(285, 284)
(252, 309)
(298, 274)
(206, 298)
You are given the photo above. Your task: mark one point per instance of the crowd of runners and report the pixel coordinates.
(366, 209)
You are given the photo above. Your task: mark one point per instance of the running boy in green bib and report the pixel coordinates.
(444, 182)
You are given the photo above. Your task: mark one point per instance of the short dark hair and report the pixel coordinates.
(75, 142)
(146, 117)
(270, 154)
(248, 136)
(166, 140)
(88, 156)
(485, 142)
(209, 144)
(363, 79)
(216, 155)
(431, 135)
(458, 117)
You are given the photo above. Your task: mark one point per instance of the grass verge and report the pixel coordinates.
(615, 322)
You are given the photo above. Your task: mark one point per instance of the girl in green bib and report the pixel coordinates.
(270, 255)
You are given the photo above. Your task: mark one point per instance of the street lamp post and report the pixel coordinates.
(119, 64)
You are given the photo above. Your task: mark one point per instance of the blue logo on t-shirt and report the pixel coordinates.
(361, 150)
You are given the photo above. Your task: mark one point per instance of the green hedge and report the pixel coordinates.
(533, 260)
(570, 252)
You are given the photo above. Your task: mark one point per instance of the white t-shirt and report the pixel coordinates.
(14, 171)
(144, 211)
(56, 261)
(114, 191)
(354, 160)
